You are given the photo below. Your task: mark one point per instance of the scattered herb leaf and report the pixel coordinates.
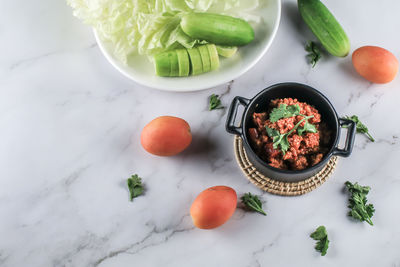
(215, 102)
(314, 53)
(284, 111)
(358, 203)
(281, 140)
(135, 186)
(361, 128)
(252, 202)
(321, 235)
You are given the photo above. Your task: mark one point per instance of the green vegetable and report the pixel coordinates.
(183, 62)
(358, 202)
(314, 54)
(325, 27)
(214, 58)
(217, 29)
(174, 64)
(252, 202)
(361, 128)
(215, 102)
(284, 111)
(135, 186)
(321, 235)
(195, 61)
(163, 63)
(168, 64)
(205, 58)
(282, 139)
(149, 27)
(226, 51)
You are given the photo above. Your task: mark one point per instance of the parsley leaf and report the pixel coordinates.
(282, 139)
(271, 131)
(361, 128)
(314, 53)
(308, 127)
(135, 186)
(215, 102)
(321, 235)
(284, 111)
(253, 202)
(358, 203)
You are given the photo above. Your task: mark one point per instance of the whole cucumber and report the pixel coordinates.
(217, 29)
(325, 27)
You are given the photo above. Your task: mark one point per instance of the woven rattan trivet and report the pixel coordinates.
(278, 187)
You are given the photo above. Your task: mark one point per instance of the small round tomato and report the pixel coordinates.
(213, 207)
(375, 64)
(166, 136)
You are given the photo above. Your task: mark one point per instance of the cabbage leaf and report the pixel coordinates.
(151, 26)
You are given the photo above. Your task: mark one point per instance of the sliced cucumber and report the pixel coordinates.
(183, 61)
(214, 58)
(205, 58)
(226, 51)
(162, 63)
(195, 61)
(174, 64)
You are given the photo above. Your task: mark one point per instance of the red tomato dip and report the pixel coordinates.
(304, 150)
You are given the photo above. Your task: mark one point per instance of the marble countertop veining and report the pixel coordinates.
(69, 138)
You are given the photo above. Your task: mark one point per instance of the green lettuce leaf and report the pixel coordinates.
(147, 27)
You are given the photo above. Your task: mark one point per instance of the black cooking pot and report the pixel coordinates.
(303, 93)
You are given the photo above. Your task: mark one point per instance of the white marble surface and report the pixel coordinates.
(69, 138)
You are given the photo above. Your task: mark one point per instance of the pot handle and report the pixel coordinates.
(351, 133)
(230, 120)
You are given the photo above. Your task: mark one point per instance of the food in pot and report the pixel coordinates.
(289, 135)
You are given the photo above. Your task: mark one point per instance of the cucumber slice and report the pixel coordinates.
(184, 63)
(214, 58)
(162, 63)
(226, 51)
(174, 64)
(195, 61)
(205, 57)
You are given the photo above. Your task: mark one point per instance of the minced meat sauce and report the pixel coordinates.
(305, 150)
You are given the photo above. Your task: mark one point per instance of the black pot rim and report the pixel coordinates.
(280, 171)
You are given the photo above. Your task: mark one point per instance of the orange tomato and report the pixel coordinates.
(213, 207)
(166, 136)
(375, 64)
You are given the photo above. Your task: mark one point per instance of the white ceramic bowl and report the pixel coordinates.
(141, 70)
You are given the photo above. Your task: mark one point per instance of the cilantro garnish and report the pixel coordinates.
(358, 203)
(314, 54)
(215, 102)
(135, 186)
(252, 202)
(308, 127)
(284, 111)
(321, 235)
(282, 141)
(361, 128)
